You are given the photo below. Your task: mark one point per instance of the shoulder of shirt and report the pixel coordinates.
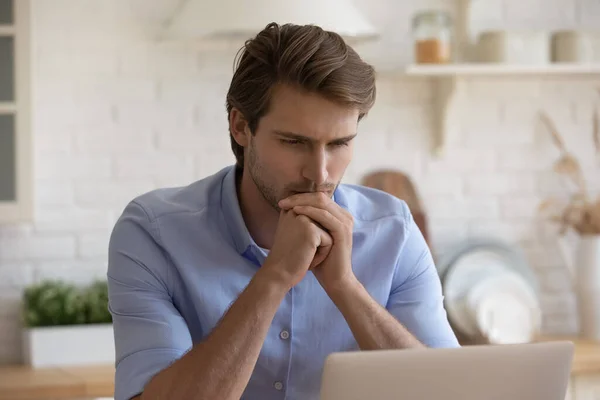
(194, 198)
(368, 204)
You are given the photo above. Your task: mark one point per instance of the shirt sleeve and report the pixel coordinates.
(149, 332)
(416, 298)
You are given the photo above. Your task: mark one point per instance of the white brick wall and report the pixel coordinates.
(39, 248)
(116, 115)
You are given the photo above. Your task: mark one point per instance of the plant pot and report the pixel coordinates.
(69, 345)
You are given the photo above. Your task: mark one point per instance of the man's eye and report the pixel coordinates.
(290, 141)
(340, 144)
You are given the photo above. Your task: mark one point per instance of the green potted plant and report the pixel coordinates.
(66, 324)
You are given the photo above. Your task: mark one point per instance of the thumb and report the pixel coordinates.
(326, 243)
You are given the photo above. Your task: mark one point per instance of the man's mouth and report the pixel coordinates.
(327, 192)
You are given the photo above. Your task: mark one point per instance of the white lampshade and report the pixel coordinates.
(242, 19)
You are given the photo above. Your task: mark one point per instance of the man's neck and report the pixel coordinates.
(259, 216)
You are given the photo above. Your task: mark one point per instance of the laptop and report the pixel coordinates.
(532, 371)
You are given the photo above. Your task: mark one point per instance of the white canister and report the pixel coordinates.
(595, 39)
(514, 47)
(572, 47)
(584, 266)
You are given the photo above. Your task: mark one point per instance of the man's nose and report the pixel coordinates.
(316, 168)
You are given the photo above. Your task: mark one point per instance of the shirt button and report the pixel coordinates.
(285, 335)
(278, 385)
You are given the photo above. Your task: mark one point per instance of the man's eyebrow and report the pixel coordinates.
(292, 135)
(296, 136)
(344, 139)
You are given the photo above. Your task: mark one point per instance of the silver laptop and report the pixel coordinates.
(536, 371)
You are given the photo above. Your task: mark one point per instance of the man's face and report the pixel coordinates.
(303, 144)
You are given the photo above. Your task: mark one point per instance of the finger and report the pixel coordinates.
(322, 217)
(325, 238)
(309, 198)
(326, 243)
(317, 200)
(320, 256)
(321, 231)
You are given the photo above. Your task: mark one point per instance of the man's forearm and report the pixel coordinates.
(220, 367)
(374, 328)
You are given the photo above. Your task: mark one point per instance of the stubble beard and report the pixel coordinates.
(269, 193)
(256, 172)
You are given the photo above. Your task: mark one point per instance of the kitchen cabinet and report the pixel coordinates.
(569, 395)
(16, 176)
(586, 387)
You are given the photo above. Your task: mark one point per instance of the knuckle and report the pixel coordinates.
(313, 237)
(306, 220)
(349, 230)
(305, 223)
(303, 220)
(349, 220)
(322, 199)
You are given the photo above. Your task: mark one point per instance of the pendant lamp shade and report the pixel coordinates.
(242, 19)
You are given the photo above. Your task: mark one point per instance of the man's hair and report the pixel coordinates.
(304, 56)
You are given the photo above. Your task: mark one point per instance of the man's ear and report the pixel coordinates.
(239, 128)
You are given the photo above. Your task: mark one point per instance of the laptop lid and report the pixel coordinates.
(533, 371)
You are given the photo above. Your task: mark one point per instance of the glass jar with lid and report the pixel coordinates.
(432, 32)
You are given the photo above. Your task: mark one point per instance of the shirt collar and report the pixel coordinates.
(233, 214)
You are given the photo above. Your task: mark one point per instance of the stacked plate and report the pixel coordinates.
(490, 292)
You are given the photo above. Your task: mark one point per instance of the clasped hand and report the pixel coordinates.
(335, 269)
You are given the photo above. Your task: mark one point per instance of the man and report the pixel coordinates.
(240, 285)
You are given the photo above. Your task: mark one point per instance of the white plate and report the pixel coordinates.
(513, 258)
(505, 308)
(470, 268)
(464, 274)
(504, 319)
(506, 281)
(460, 316)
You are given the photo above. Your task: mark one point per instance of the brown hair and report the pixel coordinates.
(302, 55)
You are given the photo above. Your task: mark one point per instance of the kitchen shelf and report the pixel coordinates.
(469, 70)
(7, 108)
(449, 78)
(7, 30)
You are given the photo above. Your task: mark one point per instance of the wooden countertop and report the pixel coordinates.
(586, 359)
(25, 383)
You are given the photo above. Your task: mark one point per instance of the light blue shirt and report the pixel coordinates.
(179, 257)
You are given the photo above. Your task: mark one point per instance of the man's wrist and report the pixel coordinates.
(274, 278)
(347, 286)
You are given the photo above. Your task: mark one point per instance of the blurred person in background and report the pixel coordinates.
(242, 283)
